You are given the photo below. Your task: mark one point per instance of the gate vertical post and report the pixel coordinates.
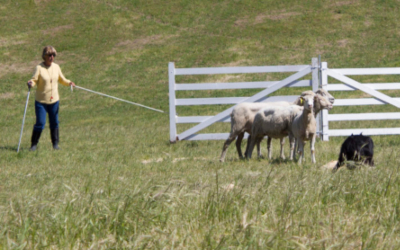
(320, 86)
(324, 85)
(315, 85)
(172, 107)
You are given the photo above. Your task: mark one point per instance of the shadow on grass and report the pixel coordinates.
(9, 148)
(235, 159)
(276, 161)
(280, 161)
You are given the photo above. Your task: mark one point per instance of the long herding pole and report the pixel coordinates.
(23, 119)
(119, 99)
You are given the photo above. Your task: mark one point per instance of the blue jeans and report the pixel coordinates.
(41, 109)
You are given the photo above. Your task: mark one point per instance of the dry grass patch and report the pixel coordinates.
(241, 22)
(175, 160)
(139, 43)
(126, 23)
(11, 41)
(55, 30)
(344, 3)
(343, 43)
(240, 62)
(37, 2)
(227, 78)
(20, 68)
(368, 23)
(276, 16)
(8, 95)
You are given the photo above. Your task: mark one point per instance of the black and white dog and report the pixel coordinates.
(356, 148)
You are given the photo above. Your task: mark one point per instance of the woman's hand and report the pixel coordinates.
(29, 84)
(72, 84)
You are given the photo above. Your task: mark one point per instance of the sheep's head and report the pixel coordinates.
(307, 101)
(300, 101)
(320, 103)
(325, 94)
(307, 92)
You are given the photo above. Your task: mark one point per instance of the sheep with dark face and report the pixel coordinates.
(358, 148)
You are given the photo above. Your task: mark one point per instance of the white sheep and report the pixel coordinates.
(324, 93)
(242, 117)
(277, 122)
(303, 128)
(320, 103)
(273, 122)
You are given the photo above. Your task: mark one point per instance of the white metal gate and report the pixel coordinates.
(369, 88)
(205, 121)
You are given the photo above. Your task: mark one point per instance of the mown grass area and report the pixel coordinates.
(117, 182)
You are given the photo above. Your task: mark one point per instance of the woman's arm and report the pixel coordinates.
(64, 81)
(33, 81)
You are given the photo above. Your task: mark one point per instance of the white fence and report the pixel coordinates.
(205, 121)
(319, 72)
(369, 88)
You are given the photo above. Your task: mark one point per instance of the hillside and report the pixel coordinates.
(119, 183)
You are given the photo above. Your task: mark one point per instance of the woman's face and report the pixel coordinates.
(49, 58)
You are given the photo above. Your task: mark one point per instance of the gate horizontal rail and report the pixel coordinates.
(378, 98)
(269, 87)
(317, 69)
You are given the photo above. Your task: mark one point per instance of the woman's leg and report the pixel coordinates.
(40, 112)
(52, 109)
(53, 118)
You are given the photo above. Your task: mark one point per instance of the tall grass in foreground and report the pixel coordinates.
(117, 182)
(73, 199)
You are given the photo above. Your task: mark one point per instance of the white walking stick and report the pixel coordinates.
(122, 100)
(23, 119)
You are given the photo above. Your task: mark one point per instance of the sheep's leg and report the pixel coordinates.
(282, 151)
(292, 146)
(239, 145)
(251, 146)
(300, 151)
(296, 146)
(247, 146)
(225, 147)
(259, 147)
(312, 148)
(269, 147)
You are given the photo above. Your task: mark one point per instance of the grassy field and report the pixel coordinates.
(118, 183)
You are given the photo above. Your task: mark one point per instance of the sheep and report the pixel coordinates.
(242, 117)
(320, 103)
(356, 148)
(274, 122)
(277, 121)
(303, 128)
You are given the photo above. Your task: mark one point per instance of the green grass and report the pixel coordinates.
(118, 183)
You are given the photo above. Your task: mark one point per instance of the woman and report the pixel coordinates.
(46, 77)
